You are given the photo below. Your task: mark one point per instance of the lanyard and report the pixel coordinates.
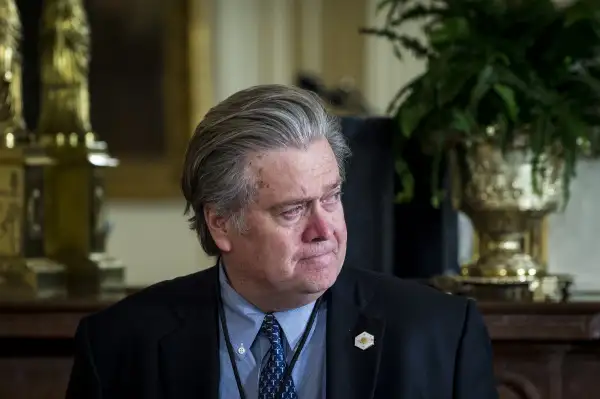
(288, 369)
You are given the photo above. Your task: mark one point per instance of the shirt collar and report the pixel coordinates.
(244, 319)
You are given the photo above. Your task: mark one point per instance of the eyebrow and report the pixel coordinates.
(296, 201)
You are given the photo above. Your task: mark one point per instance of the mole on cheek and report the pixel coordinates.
(261, 182)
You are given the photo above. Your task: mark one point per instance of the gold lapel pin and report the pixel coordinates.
(364, 340)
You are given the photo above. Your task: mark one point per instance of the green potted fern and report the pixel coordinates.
(511, 96)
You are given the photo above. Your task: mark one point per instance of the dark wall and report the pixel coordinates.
(412, 240)
(369, 194)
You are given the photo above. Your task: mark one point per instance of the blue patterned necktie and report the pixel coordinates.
(272, 374)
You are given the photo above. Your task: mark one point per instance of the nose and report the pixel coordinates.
(318, 227)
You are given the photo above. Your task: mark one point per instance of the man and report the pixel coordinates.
(278, 316)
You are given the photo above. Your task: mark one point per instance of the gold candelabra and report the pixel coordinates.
(24, 266)
(73, 229)
(12, 124)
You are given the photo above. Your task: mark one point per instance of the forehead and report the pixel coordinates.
(289, 173)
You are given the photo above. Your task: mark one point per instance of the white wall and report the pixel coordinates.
(574, 235)
(154, 241)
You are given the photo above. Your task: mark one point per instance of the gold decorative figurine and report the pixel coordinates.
(75, 226)
(12, 124)
(24, 269)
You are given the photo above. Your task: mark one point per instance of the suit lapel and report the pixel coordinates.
(351, 371)
(189, 355)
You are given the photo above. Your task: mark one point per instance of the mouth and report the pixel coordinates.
(317, 256)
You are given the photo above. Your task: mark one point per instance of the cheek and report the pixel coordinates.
(339, 225)
(278, 245)
(280, 256)
(341, 230)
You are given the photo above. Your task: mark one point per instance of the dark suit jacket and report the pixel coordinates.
(163, 343)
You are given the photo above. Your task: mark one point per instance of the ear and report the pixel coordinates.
(218, 227)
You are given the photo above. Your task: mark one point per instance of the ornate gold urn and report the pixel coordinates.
(505, 193)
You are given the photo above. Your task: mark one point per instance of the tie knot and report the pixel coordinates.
(271, 329)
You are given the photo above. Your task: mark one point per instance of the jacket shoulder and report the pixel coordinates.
(403, 298)
(415, 312)
(152, 308)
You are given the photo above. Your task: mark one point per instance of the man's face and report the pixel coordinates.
(295, 237)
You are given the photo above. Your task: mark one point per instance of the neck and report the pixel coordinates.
(268, 300)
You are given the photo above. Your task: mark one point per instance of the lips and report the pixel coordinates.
(316, 255)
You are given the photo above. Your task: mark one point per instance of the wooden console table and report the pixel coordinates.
(36, 344)
(545, 351)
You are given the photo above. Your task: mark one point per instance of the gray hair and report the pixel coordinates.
(254, 120)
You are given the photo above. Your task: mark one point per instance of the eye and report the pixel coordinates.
(293, 213)
(333, 198)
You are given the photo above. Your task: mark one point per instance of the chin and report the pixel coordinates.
(318, 274)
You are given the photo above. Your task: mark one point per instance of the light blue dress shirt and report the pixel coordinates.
(251, 350)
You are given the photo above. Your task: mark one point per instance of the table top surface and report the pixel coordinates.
(57, 317)
(581, 303)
